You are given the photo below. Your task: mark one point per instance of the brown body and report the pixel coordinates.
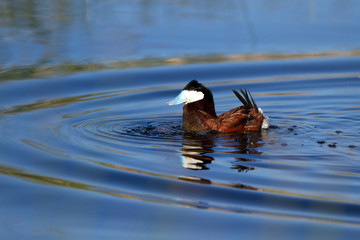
(201, 116)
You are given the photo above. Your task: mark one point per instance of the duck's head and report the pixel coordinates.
(193, 92)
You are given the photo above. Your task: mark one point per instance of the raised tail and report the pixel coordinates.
(246, 99)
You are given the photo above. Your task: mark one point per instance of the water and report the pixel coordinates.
(90, 151)
(42, 34)
(101, 154)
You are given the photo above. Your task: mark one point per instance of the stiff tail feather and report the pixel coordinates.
(246, 99)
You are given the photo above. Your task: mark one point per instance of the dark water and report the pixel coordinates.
(100, 154)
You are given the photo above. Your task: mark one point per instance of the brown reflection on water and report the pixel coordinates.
(197, 150)
(195, 153)
(52, 103)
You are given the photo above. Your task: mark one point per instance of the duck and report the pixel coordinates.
(199, 111)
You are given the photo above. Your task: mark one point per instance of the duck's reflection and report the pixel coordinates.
(198, 150)
(195, 151)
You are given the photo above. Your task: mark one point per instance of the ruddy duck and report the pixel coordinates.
(199, 111)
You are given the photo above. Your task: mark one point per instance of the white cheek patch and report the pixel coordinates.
(192, 96)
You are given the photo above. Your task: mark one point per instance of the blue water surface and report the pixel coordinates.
(88, 32)
(90, 149)
(100, 154)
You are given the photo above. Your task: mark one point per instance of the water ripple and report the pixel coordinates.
(119, 144)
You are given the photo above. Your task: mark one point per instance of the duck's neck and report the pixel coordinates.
(204, 105)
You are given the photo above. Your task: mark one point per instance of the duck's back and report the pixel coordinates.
(234, 120)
